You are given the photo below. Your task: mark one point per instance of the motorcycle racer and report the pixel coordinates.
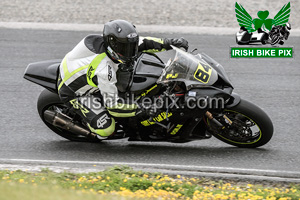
(92, 65)
(280, 33)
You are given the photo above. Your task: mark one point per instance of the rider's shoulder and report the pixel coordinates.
(94, 43)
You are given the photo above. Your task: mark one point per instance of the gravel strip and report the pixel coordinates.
(210, 13)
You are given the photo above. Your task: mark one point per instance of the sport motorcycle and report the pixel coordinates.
(193, 99)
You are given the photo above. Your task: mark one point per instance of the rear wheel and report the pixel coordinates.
(51, 101)
(245, 125)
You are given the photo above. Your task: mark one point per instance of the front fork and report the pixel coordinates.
(235, 100)
(211, 117)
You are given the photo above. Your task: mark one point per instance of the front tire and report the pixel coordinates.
(251, 126)
(51, 101)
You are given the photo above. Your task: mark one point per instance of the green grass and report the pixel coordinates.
(16, 191)
(124, 183)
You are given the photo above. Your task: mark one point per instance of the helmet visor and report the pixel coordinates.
(127, 50)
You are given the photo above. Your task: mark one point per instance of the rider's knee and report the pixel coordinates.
(102, 125)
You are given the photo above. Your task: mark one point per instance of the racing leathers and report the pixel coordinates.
(88, 68)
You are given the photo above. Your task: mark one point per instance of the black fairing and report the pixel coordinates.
(43, 73)
(147, 70)
(221, 72)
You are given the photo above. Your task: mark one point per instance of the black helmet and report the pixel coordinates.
(121, 40)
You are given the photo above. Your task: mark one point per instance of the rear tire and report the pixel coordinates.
(246, 112)
(49, 100)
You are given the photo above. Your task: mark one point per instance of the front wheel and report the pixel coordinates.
(245, 125)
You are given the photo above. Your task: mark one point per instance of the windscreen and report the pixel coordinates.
(187, 68)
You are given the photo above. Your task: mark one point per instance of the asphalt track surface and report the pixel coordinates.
(273, 84)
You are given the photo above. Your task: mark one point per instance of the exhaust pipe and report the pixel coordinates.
(65, 122)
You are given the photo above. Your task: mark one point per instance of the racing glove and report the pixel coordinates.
(181, 42)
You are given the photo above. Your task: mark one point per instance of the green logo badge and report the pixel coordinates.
(262, 30)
